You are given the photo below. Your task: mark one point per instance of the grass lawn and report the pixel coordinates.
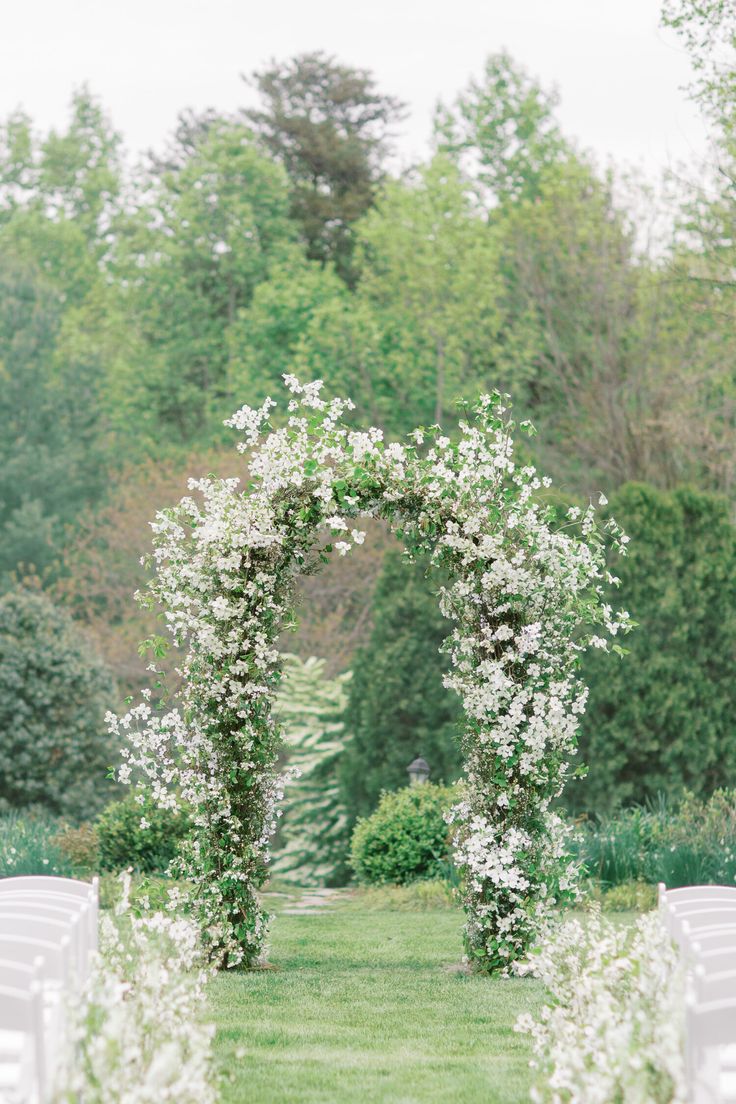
(363, 1005)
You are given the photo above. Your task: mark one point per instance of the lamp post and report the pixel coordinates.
(418, 772)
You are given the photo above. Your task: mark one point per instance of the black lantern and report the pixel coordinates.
(418, 772)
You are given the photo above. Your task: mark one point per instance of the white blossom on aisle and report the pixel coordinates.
(136, 1032)
(526, 596)
(614, 1030)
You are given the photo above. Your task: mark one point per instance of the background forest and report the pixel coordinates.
(141, 304)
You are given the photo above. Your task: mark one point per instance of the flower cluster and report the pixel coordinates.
(526, 596)
(614, 1029)
(135, 1033)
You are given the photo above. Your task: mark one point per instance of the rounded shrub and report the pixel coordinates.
(124, 841)
(405, 839)
(55, 751)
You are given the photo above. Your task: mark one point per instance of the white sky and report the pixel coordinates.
(618, 73)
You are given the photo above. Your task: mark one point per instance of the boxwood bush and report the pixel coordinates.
(122, 842)
(405, 839)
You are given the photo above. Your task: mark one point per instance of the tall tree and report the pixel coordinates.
(52, 458)
(627, 379)
(502, 130)
(330, 127)
(190, 259)
(422, 326)
(72, 175)
(708, 29)
(662, 720)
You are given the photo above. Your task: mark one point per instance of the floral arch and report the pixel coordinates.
(525, 597)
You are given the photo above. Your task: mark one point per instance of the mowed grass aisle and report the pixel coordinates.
(365, 1006)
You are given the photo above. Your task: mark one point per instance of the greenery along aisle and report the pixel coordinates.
(524, 598)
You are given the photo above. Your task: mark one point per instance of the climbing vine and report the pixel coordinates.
(526, 596)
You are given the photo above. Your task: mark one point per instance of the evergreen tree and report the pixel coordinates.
(328, 125)
(55, 752)
(398, 708)
(662, 720)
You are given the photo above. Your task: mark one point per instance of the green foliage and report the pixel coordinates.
(708, 30)
(285, 311)
(191, 257)
(314, 826)
(431, 274)
(54, 692)
(663, 720)
(422, 896)
(81, 846)
(29, 845)
(405, 839)
(51, 462)
(398, 707)
(123, 842)
(693, 843)
(628, 897)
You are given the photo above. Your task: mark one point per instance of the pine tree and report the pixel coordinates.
(398, 708)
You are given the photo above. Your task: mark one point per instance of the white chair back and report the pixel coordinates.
(19, 975)
(710, 986)
(26, 925)
(49, 884)
(672, 901)
(75, 915)
(685, 925)
(48, 929)
(86, 905)
(56, 956)
(708, 930)
(692, 893)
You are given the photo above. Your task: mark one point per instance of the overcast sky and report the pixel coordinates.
(619, 75)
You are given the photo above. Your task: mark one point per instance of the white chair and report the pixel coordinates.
(20, 976)
(41, 901)
(26, 925)
(692, 893)
(23, 1074)
(68, 887)
(73, 911)
(683, 925)
(56, 957)
(50, 966)
(50, 884)
(706, 927)
(713, 985)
